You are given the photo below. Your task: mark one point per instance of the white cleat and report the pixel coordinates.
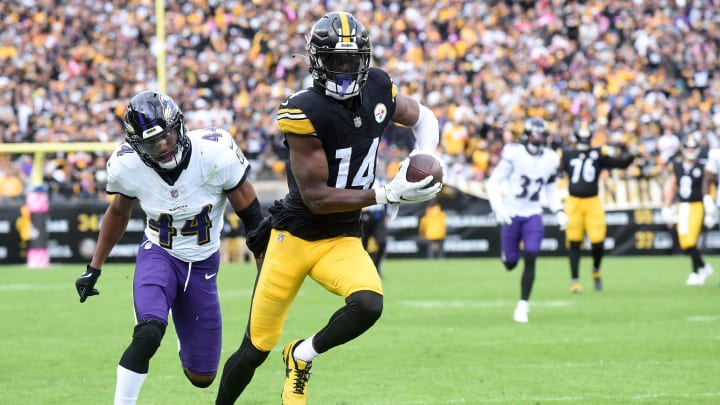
(695, 279)
(705, 272)
(521, 312)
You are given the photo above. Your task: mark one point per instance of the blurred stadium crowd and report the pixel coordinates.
(642, 73)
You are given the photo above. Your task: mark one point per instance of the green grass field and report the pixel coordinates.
(446, 337)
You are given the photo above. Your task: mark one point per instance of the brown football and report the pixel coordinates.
(422, 165)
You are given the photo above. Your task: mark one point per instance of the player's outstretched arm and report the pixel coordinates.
(112, 228)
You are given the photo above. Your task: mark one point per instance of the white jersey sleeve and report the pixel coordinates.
(120, 165)
(185, 217)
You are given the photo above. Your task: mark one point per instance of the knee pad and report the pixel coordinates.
(367, 304)
(145, 342)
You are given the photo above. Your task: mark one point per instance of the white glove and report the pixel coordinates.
(711, 212)
(668, 216)
(401, 191)
(502, 216)
(562, 219)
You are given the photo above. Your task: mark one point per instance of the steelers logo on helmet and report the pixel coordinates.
(535, 134)
(154, 128)
(339, 51)
(691, 147)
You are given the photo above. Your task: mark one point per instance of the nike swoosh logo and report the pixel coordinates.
(209, 276)
(284, 103)
(86, 276)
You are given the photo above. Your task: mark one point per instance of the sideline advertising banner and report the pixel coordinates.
(71, 231)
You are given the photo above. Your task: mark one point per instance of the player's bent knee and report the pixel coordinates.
(368, 304)
(145, 342)
(199, 380)
(149, 334)
(509, 265)
(252, 355)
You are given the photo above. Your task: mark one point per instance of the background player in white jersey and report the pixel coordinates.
(529, 168)
(182, 181)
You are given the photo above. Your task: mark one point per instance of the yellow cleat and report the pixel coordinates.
(576, 287)
(297, 374)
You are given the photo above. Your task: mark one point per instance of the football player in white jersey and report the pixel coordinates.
(182, 180)
(529, 168)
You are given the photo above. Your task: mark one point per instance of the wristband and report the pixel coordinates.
(381, 195)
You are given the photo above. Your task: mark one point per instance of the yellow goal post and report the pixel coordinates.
(40, 150)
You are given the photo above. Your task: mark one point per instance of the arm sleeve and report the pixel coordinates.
(427, 130)
(501, 172)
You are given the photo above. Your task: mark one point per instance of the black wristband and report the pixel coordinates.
(251, 215)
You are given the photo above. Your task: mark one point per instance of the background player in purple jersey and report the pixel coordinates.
(182, 180)
(528, 168)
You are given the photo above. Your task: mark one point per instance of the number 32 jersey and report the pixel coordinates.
(526, 176)
(186, 217)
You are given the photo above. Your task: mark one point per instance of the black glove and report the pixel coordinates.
(257, 239)
(85, 284)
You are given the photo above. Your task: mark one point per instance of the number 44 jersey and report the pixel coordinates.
(184, 216)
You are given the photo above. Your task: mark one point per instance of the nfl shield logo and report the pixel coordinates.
(358, 122)
(174, 193)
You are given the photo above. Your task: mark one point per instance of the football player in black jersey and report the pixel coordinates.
(332, 130)
(684, 190)
(585, 211)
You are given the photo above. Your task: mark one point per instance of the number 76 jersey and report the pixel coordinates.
(185, 217)
(527, 176)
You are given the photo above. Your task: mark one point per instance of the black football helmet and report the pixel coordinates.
(535, 135)
(691, 147)
(582, 137)
(339, 51)
(154, 128)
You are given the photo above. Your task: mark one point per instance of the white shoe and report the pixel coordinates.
(695, 279)
(521, 312)
(705, 272)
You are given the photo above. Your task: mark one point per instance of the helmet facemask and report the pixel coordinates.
(345, 73)
(163, 148)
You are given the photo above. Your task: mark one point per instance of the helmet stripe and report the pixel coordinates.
(344, 27)
(148, 112)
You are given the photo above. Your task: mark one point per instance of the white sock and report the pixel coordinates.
(128, 386)
(305, 350)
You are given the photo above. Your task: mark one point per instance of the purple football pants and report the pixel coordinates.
(528, 230)
(162, 284)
